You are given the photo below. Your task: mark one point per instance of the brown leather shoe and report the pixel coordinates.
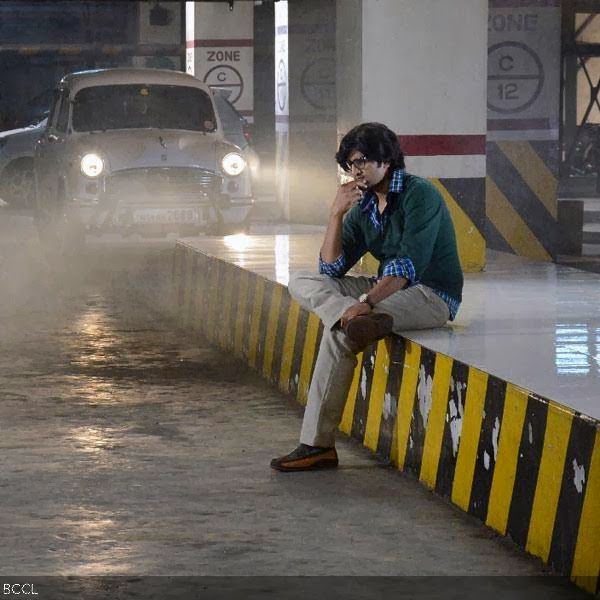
(366, 329)
(306, 458)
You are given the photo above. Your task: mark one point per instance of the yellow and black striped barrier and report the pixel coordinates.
(521, 198)
(526, 466)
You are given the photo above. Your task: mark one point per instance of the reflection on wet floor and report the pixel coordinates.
(577, 350)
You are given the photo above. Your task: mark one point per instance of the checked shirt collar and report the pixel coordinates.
(369, 204)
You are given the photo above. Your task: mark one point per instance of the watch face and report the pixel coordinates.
(362, 298)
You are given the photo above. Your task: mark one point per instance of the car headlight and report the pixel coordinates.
(233, 163)
(92, 165)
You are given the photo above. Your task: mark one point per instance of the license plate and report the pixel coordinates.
(165, 215)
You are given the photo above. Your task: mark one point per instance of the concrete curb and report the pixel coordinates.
(526, 466)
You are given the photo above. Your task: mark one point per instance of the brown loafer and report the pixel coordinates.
(306, 458)
(366, 329)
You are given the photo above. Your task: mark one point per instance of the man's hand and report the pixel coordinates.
(346, 196)
(360, 308)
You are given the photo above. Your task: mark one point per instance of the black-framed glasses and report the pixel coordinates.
(359, 163)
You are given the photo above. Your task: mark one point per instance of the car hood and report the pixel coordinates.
(133, 149)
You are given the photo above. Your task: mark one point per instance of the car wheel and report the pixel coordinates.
(59, 229)
(17, 184)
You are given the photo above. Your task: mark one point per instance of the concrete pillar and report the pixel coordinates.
(220, 49)
(420, 68)
(159, 24)
(305, 108)
(523, 126)
(282, 108)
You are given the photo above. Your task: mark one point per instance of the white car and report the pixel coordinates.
(137, 151)
(16, 165)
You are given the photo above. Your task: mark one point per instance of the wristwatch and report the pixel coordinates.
(364, 299)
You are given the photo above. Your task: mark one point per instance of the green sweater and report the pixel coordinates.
(420, 228)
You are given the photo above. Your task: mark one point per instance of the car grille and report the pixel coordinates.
(160, 185)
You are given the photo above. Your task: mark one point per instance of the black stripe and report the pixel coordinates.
(280, 335)
(528, 464)
(298, 350)
(216, 294)
(549, 153)
(263, 323)
(252, 277)
(416, 438)
(455, 410)
(187, 281)
(177, 273)
(469, 194)
(570, 501)
(495, 240)
(521, 197)
(196, 285)
(236, 274)
(359, 365)
(361, 409)
(396, 348)
(228, 275)
(485, 463)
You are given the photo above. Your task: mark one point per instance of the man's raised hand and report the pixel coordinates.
(347, 195)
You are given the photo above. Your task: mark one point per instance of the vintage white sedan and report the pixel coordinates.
(137, 151)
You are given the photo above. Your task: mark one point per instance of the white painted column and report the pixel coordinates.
(168, 33)
(282, 107)
(420, 68)
(220, 49)
(524, 63)
(305, 108)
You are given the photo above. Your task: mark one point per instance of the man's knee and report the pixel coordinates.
(298, 281)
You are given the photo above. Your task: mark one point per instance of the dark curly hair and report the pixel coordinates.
(376, 141)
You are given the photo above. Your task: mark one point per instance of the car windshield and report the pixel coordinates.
(140, 106)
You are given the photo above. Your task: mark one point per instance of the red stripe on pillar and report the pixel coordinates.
(440, 145)
(218, 43)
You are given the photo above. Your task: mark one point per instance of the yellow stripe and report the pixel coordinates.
(270, 340)
(240, 321)
(406, 399)
(348, 414)
(434, 433)
(586, 563)
(469, 438)
(227, 302)
(377, 395)
(510, 225)
(534, 172)
(308, 355)
(259, 293)
(289, 342)
(550, 475)
(470, 241)
(503, 482)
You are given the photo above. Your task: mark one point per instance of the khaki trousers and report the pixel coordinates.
(417, 307)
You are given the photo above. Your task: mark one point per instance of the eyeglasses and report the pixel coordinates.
(359, 163)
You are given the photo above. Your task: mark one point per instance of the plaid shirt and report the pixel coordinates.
(399, 267)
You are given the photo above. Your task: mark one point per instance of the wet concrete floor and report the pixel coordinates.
(128, 447)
